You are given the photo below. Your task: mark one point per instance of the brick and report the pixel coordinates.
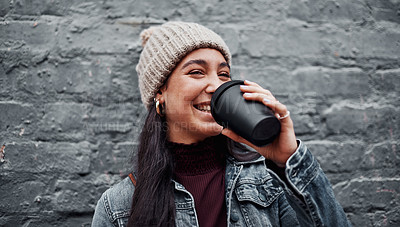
(81, 76)
(339, 10)
(332, 11)
(385, 10)
(47, 158)
(47, 7)
(230, 36)
(86, 34)
(102, 181)
(310, 82)
(375, 123)
(358, 220)
(279, 40)
(4, 7)
(21, 196)
(14, 114)
(387, 81)
(84, 221)
(6, 86)
(12, 59)
(34, 84)
(251, 12)
(382, 43)
(9, 221)
(367, 194)
(206, 11)
(383, 218)
(382, 156)
(117, 117)
(36, 221)
(100, 80)
(63, 118)
(69, 197)
(297, 39)
(392, 217)
(304, 124)
(336, 157)
(17, 120)
(27, 85)
(351, 83)
(269, 77)
(38, 35)
(114, 158)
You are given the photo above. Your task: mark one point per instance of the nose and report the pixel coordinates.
(213, 83)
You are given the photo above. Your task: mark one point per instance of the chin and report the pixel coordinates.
(213, 129)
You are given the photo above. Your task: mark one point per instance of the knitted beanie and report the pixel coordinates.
(165, 46)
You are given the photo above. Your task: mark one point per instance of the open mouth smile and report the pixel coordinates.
(203, 107)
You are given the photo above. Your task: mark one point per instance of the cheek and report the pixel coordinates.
(181, 93)
(178, 103)
(185, 94)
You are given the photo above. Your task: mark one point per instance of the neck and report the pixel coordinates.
(198, 158)
(187, 137)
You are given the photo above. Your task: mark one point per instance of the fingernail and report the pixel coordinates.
(267, 100)
(244, 86)
(247, 94)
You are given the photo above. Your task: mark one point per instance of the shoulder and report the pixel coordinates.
(117, 200)
(119, 196)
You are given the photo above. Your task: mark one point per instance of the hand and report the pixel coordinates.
(285, 144)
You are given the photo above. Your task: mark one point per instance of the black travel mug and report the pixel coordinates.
(250, 119)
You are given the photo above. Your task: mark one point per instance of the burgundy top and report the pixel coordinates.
(200, 168)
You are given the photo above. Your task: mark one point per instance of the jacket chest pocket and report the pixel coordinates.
(257, 202)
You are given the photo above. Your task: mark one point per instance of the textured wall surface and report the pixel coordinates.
(70, 111)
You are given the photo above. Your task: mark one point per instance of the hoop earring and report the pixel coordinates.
(159, 109)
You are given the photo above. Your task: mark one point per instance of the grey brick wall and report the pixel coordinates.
(70, 111)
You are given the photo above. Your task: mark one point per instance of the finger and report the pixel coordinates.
(254, 89)
(276, 107)
(254, 92)
(247, 82)
(281, 112)
(267, 100)
(258, 97)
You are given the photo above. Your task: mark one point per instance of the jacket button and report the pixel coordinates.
(262, 196)
(234, 217)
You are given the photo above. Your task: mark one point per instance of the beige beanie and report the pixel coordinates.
(163, 48)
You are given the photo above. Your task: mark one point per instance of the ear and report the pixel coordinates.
(160, 94)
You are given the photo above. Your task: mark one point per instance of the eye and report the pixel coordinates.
(224, 76)
(195, 72)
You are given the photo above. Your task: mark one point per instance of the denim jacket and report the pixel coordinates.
(254, 195)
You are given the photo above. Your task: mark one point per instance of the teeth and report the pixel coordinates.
(204, 107)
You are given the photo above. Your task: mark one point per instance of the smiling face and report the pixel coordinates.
(187, 95)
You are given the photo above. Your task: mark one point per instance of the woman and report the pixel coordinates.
(193, 172)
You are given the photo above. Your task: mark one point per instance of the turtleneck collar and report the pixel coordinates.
(198, 158)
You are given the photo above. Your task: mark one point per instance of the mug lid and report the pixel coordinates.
(224, 87)
(217, 94)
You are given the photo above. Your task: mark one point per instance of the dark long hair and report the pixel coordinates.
(153, 200)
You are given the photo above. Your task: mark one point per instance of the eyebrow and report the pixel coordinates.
(224, 64)
(203, 63)
(196, 61)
